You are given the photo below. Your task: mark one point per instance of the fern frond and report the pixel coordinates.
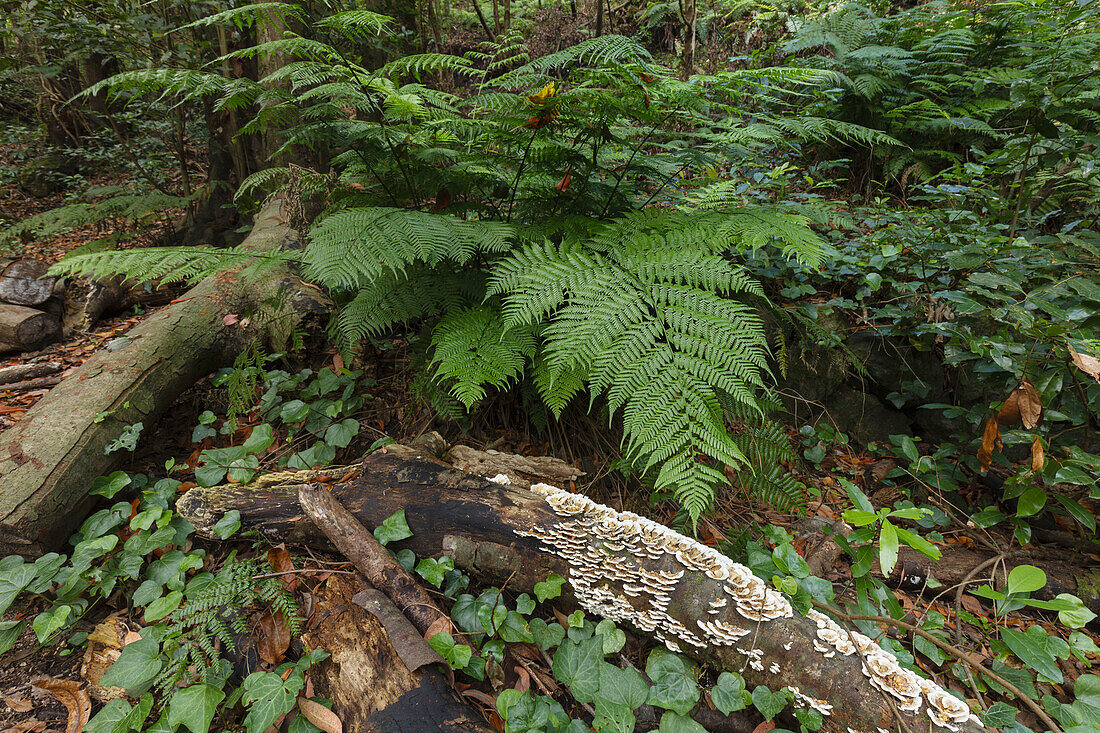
(169, 264)
(472, 349)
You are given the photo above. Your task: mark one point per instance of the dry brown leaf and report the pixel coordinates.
(441, 624)
(281, 563)
(18, 704)
(523, 684)
(764, 727)
(27, 726)
(1009, 414)
(73, 697)
(991, 440)
(1038, 457)
(1031, 404)
(274, 638)
(1087, 363)
(320, 716)
(480, 697)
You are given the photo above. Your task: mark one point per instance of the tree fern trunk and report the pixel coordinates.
(49, 458)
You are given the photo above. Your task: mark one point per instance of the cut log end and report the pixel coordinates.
(25, 329)
(23, 282)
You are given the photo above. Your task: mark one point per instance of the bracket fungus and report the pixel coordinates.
(628, 568)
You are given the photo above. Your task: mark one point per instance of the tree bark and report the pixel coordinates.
(495, 530)
(25, 329)
(22, 282)
(367, 677)
(48, 459)
(20, 372)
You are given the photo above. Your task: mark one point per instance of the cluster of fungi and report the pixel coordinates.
(627, 568)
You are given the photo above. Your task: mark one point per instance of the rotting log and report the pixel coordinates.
(368, 675)
(25, 329)
(619, 566)
(23, 282)
(23, 372)
(49, 458)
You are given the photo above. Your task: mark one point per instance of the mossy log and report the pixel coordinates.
(619, 566)
(50, 457)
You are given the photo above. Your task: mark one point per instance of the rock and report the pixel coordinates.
(47, 174)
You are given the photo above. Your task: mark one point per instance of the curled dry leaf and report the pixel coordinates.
(1038, 457)
(320, 716)
(280, 561)
(1023, 405)
(274, 637)
(75, 700)
(1087, 363)
(18, 704)
(991, 441)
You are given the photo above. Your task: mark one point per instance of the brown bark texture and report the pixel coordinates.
(494, 530)
(25, 329)
(48, 458)
(366, 675)
(22, 282)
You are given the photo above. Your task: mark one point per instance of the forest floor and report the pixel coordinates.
(392, 409)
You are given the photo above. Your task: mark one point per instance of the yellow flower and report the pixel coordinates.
(544, 96)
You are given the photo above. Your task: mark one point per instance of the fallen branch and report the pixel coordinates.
(619, 566)
(26, 386)
(49, 458)
(21, 372)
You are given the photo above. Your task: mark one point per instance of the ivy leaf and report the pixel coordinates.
(163, 606)
(624, 687)
(47, 622)
(546, 635)
(9, 633)
(549, 588)
(394, 528)
(613, 638)
(728, 693)
(260, 439)
(109, 718)
(577, 664)
(1037, 650)
(433, 570)
(339, 434)
(195, 706)
(13, 580)
(228, 525)
(674, 687)
(809, 719)
(672, 722)
(514, 629)
(525, 604)
(999, 715)
(136, 666)
(269, 696)
(108, 486)
(767, 702)
(456, 655)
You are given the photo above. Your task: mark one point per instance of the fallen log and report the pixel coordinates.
(619, 566)
(28, 384)
(22, 282)
(25, 329)
(48, 458)
(367, 675)
(22, 372)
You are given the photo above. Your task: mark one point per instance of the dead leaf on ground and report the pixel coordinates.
(1087, 363)
(1038, 457)
(320, 716)
(991, 440)
(274, 637)
(73, 697)
(27, 726)
(18, 704)
(441, 624)
(764, 727)
(280, 561)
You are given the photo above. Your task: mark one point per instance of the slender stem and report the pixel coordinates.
(519, 172)
(630, 160)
